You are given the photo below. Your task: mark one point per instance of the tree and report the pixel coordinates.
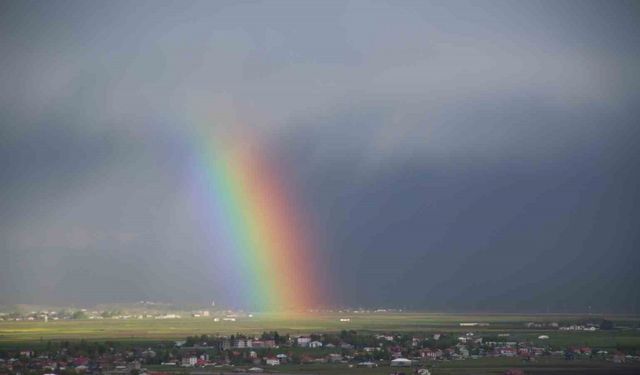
(606, 324)
(79, 315)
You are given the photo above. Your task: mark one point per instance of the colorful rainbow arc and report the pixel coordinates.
(260, 223)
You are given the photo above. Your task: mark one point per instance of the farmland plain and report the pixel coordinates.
(12, 332)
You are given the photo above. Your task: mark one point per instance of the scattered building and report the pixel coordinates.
(401, 362)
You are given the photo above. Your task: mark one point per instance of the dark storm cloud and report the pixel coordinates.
(460, 155)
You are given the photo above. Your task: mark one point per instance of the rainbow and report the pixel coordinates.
(258, 225)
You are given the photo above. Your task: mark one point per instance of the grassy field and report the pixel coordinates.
(480, 366)
(172, 329)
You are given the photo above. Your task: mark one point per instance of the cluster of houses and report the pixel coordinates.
(586, 326)
(75, 314)
(151, 310)
(248, 343)
(45, 315)
(255, 354)
(144, 311)
(579, 327)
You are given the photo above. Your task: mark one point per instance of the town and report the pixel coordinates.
(420, 353)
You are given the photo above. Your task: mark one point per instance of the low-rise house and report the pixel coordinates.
(269, 344)
(80, 361)
(619, 358)
(401, 362)
(464, 352)
(303, 341)
(523, 351)
(507, 352)
(431, 354)
(242, 343)
(263, 344)
(272, 361)
(315, 344)
(82, 368)
(189, 361)
(449, 352)
(367, 364)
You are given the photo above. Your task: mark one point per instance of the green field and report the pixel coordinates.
(12, 332)
(485, 366)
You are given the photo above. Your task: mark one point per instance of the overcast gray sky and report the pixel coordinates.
(450, 155)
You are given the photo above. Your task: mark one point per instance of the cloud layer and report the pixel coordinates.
(454, 155)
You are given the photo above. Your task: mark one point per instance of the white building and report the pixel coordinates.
(315, 344)
(189, 361)
(272, 361)
(401, 362)
(368, 364)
